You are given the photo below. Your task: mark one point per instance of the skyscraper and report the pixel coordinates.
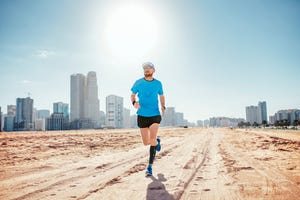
(24, 112)
(0, 119)
(262, 112)
(9, 123)
(114, 111)
(10, 118)
(251, 114)
(84, 101)
(60, 107)
(11, 110)
(92, 110)
(77, 96)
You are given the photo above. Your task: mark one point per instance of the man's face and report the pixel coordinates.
(149, 72)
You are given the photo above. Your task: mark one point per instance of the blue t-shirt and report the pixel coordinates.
(148, 92)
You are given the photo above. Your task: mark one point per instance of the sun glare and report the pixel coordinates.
(131, 31)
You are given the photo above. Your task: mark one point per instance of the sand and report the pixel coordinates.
(195, 163)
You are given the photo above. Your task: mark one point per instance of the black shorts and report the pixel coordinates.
(146, 122)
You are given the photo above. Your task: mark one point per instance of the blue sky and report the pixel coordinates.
(214, 58)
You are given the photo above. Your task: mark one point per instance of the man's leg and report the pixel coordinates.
(153, 133)
(145, 136)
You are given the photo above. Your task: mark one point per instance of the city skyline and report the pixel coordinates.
(213, 58)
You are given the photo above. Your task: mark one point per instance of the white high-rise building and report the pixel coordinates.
(77, 96)
(133, 121)
(92, 110)
(179, 121)
(251, 114)
(114, 111)
(170, 117)
(84, 101)
(40, 122)
(126, 118)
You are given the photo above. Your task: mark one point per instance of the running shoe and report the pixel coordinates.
(158, 147)
(149, 171)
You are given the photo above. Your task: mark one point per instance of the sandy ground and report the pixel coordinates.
(194, 163)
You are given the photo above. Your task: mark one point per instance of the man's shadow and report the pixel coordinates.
(156, 189)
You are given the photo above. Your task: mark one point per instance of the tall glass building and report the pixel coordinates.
(262, 112)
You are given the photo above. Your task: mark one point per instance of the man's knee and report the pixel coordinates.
(153, 141)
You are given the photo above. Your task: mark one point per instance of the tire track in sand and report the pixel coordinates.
(92, 177)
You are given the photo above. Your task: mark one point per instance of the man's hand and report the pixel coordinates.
(163, 110)
(136, 105)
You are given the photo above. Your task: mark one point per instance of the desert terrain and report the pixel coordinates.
(194, 163)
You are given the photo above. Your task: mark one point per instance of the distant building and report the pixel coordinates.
(272, 119)
(206, 123)
(170, 118)
(282, 115)
(9, 119)
(262, 112)
(24, 113)
(290, 115)
(251, 114)
(40, 125)
(57, 121)
(77, 96)
(43, 114)
(40, 122)
(200, 123)
(11, 110)
(0, 119)
(224, 121)
(84, 101)
(60, 107)
(91, 101)
(102, 118)
(9, 123)
(114, 111)
(34, 117)
(126, 118)
(133, 121)
(179, 119)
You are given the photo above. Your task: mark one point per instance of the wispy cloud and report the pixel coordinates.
(26, 82)
(43, 53)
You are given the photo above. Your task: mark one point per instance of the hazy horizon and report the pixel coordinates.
(214, 58)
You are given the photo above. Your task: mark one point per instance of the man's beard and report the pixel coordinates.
(148, 75)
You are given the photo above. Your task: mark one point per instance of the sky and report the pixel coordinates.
(213, 58)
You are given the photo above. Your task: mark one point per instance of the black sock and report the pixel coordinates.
(152, 154)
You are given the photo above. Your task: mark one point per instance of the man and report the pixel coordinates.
(148, 89)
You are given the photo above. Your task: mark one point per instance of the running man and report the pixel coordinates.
(149, 117)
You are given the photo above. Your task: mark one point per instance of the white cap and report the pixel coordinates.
(148, 65)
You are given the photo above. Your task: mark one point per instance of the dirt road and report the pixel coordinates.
(194, 163)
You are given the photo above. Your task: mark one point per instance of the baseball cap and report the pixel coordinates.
(148, 65)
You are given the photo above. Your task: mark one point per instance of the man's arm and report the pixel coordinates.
(133, 98)
(162, 104)
(134, 102)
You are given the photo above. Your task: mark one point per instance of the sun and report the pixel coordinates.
(130, 31)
